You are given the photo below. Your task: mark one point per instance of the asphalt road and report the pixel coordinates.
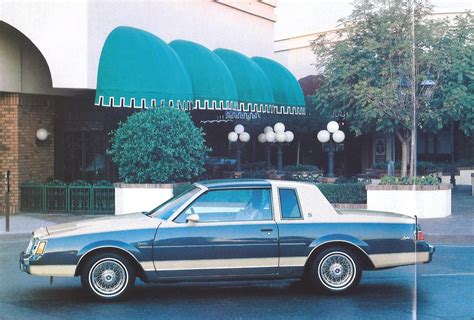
(440, 290)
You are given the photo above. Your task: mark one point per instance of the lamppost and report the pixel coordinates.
(238, 136)
(279, 137)
(324, 136)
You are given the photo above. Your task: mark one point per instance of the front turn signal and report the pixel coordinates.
(41, 247)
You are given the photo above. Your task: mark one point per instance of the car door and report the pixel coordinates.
(236, 236)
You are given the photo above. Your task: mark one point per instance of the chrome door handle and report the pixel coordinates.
(266, 230)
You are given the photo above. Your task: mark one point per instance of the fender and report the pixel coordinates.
(133, 251)
(362, 245)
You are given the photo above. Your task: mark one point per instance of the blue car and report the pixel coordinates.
(229, 230)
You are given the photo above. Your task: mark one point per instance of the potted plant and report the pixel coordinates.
(155, 150)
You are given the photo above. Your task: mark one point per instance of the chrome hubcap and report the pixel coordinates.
(336, 270)
(108, 277)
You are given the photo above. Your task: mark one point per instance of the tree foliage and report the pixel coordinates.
(367, 67)
(160, 145)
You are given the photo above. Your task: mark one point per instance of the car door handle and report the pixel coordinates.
(266, 230)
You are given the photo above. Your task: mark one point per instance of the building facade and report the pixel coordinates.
(49, 62)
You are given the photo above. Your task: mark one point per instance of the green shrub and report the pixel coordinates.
(344, 192)
(160, 145)
(423, 180)
(300, 167)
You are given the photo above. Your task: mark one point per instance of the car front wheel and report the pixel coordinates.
(335, 270)
(108, 276)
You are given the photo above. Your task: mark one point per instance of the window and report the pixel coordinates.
(231, 205)
(289, 205)
(166, 210)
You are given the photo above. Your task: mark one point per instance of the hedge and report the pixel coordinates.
(344, 192)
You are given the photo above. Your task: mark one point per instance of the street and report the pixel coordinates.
(444, 291)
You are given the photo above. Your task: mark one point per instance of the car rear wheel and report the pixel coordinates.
(335, 270)
(108, 276)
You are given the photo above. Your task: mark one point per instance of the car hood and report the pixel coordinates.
(375, 216)
(98, 225)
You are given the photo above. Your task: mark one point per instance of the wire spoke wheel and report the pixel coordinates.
(108, 277)
(336, 270)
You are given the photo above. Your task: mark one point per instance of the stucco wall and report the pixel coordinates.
(70, 34)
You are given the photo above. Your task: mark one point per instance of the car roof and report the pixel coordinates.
(235, 183)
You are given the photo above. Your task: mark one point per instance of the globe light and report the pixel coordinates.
(244, 137)
(279, 127)
(232, 136)
(338, 136)
(239, 129)
(270, 136)
(42, 134)
(332, 126)
(323, 136)
(280, 136)
(262, 138)
(289, 136)
(267, 129)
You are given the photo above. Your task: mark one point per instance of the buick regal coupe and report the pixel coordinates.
(228, 230)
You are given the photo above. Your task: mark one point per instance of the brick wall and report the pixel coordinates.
(20, 152)
(9, 146)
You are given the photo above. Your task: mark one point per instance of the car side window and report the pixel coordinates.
(289, 205)
(231, 205)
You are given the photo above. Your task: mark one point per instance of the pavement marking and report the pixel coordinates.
(453, 246)
(448, 274)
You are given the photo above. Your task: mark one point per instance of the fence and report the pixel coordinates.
(64, 198)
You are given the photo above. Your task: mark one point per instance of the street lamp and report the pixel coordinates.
(331, 146)
(238, 136)
(280, 138)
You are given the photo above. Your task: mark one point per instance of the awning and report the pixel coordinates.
(139, 70)
(287, 92)
(212, 83)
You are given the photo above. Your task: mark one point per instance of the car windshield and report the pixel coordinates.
(166, 210)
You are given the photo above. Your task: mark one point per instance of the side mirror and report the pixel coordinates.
(193, 218)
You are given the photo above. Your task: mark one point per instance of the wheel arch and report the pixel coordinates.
(364, 258)
(140, 272)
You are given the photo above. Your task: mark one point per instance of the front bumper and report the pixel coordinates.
(25, 262)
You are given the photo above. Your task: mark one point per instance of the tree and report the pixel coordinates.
(370, 75)
(160, 145)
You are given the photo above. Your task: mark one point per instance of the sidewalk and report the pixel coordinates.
(455, 229)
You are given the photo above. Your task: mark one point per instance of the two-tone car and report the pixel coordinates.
(229, 230)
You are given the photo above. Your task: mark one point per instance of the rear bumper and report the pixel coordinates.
(423, 254)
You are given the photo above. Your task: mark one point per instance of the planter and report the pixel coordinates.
(138, 197)
(424, 201)
(463, 176)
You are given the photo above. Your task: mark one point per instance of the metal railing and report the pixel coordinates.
(63, 198)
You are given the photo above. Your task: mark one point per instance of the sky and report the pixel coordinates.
(298, 17)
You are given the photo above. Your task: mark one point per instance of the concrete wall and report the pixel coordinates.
(70, 34)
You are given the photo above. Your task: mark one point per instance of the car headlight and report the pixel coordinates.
(38, 247)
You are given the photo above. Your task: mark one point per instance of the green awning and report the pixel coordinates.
(212, 82)
(138, 69)
(287, 92)
(253, 87)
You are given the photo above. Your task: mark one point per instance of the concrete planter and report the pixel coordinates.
(138, 197)
(463, 176)
(421, 200)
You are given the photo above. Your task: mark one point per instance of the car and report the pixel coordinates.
(229, 230)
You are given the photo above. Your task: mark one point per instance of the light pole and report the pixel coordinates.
(331, 146)
(280, 138)
(238, 136)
